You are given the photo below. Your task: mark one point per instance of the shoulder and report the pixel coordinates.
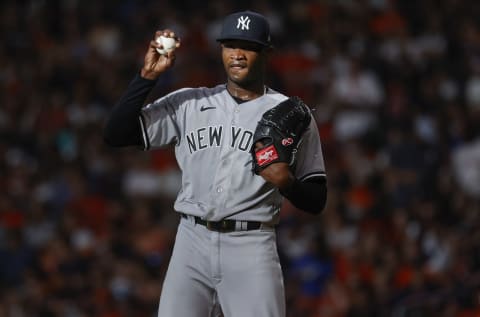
(276, 96)
(189, 94)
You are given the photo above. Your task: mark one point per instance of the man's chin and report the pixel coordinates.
(237, 77)
(241, 81)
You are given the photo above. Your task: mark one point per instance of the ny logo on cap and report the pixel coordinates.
(243, 23)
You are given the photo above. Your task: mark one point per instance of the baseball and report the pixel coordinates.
(168, 44)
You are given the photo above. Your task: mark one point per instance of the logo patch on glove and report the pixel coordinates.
(287, 141)
(266, 155)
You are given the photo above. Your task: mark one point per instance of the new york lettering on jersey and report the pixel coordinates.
(219, 131)
(211, 136)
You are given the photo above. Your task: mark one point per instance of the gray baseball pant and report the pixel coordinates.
(238, 271)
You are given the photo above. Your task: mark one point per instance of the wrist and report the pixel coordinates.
(147, 74)
(287, 183)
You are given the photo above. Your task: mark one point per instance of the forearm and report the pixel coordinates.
(310, 196)
(122, 127)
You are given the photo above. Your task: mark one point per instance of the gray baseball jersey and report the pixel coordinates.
(213, 135)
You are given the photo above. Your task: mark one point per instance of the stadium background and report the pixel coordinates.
(86, 230)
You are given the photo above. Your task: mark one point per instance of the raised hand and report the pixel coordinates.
(156, 63)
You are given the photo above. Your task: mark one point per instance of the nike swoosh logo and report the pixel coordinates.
(203, 108)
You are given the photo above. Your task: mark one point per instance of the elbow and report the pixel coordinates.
(121, 138)
(319, 206)
(310, 197)
(110, 137)
(109, 142)
(323, 202)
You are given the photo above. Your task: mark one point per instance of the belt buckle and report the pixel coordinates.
(222, 226)
(209, 225)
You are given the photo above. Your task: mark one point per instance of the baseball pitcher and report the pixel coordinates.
(242, 147)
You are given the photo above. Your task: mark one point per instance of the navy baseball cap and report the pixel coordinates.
(247, 26)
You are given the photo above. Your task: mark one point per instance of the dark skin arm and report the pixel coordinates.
(278, 174)
(309, 196)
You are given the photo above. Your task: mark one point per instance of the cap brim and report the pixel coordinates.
(240, 38)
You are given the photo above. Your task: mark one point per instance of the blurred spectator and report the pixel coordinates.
(466, 166)
(357, 94)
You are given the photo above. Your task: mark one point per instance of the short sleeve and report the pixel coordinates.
(159, 122)
(309, 161)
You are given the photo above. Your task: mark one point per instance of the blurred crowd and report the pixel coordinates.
(87, 230)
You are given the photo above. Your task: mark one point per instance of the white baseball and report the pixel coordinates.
(168, 44)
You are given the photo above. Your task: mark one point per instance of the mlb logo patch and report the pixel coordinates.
(266, 155)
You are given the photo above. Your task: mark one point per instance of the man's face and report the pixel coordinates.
(243, 61)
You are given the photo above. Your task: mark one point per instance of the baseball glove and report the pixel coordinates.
(279, 133)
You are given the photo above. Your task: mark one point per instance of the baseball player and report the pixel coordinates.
(234, 173)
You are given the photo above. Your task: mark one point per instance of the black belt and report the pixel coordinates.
(226, 225)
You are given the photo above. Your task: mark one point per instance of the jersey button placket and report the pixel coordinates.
(221, 179)
(235, 112)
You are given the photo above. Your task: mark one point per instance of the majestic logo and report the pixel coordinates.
(287, 141)
(203, 108)
(266, 155)
(243, 23)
